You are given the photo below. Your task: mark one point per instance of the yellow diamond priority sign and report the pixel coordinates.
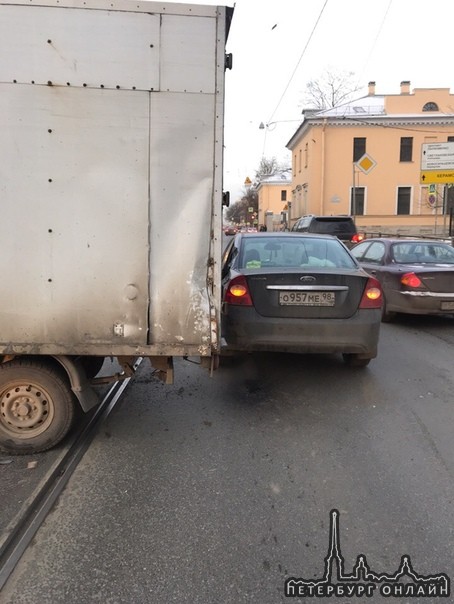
(366, 163)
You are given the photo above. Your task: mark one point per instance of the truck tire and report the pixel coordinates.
(37, 407)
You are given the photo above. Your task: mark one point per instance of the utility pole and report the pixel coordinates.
(353, 193)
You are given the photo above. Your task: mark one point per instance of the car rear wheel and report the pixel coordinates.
(355, 360)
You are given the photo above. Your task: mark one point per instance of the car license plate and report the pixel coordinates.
(447, 306)
(307, 298)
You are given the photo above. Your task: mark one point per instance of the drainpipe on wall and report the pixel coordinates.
(322, 175)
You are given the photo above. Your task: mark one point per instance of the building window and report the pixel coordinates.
(430, 107)
(403, 200)
(450, 139)
(359, 148)
(283, 195)
(294, 165)
(406, 148)
(306, 155)
(357, 208)
(300, 155)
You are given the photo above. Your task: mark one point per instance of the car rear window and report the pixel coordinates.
(411, 252)
(333, 226)
(287, 252)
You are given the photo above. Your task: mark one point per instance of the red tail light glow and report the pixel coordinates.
(411, 280)
(237, 292)
(372, 295)
(357, 237)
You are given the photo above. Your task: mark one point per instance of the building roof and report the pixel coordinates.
(369, 110)
(365, 106)
(283, 177)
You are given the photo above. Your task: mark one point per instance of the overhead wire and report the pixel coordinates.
(358, 120)
(383, 21)
(298, 62)
(374, 44)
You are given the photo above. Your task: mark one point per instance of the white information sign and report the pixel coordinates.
(437, 156)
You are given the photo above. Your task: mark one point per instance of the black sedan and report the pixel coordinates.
(416, 275)
(294, 292)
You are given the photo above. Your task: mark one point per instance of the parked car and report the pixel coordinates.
(294, 292)
(416, 275)
(342, 227)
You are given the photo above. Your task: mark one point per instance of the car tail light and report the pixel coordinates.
(372, 295)
(411, 280)
(357, 237)
(237, 292)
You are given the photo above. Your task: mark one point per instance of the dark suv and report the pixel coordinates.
(342, 227)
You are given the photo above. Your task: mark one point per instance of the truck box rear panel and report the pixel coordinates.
(110, 177)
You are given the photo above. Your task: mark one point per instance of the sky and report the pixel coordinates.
(279, 46)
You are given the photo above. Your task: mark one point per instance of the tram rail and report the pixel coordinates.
(42, 501)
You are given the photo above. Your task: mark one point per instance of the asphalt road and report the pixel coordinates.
(218, 489)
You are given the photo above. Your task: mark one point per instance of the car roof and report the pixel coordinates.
(328, 217)
(281, 234)
(403, 240)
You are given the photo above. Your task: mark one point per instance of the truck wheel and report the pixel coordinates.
(36, 407)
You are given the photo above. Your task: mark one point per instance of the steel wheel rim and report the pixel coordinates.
(26, 410)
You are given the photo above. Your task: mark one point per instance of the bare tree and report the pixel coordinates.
(269, 167)
(240, 211)
(332, 89)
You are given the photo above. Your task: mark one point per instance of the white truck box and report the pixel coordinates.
(111, 149)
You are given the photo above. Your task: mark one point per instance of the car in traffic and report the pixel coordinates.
(298, 292)
(416, 275)
(230, 230)
(342, 227)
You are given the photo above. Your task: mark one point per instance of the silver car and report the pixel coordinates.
(294, 292)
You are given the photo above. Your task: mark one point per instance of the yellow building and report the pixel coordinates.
(274, 192)
(364, 158)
